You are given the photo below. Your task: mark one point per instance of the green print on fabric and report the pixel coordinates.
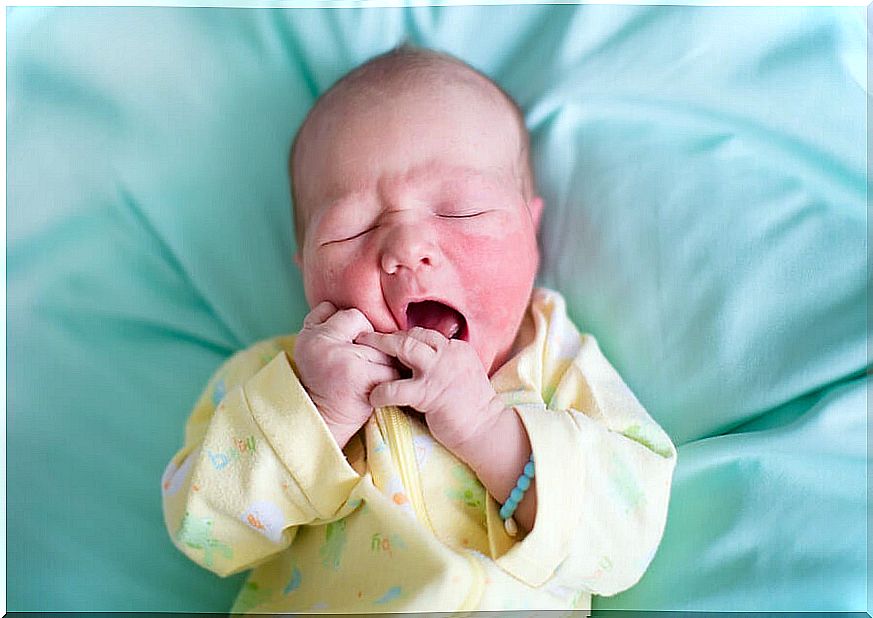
(250, 597)
(467, 488)
(625, 484)
(603, 566)
(386, 543)
(636, 433)
(334, 544)
(549, 392)
(196, 533)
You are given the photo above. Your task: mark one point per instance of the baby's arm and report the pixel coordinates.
(254, 466)
(603, 468)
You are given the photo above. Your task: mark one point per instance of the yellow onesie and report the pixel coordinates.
(395, 522)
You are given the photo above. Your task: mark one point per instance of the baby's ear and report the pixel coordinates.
(535, 207)
(298, 260)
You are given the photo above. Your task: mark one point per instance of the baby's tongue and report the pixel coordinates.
(435, 316)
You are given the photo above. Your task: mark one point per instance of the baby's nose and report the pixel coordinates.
(409, 246)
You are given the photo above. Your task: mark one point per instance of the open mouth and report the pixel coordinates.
(437, 316)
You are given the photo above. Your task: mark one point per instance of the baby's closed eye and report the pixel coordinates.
(349, 237)
(462, 210)
(461, 216)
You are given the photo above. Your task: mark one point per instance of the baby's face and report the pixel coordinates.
(415, 215)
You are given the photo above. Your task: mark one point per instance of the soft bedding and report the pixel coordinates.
(704, 173)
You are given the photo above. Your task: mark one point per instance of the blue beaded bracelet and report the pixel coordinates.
(517, 493)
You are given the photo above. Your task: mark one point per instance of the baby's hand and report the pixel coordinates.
(337, 373)
(448, 384)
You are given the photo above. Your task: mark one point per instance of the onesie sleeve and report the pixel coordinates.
(603, 473)
(258, 461)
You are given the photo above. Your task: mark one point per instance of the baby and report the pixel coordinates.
(438, 436)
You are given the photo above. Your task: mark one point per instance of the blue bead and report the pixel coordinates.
(523, 483)
(529, 469)
(507, 509)
(516, 495)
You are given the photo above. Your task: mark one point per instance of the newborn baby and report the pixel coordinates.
(438, 436)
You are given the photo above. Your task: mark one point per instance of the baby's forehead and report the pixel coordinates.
(409, 91)
(349, 132)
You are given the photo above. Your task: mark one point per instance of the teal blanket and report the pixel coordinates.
(704, 174)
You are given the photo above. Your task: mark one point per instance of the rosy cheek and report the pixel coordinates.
(337, 278)
(496, 271)
(497, 266)
(350, 279)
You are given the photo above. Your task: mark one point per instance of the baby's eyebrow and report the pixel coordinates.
(339, 193)
(341, 208)
(474, 182)
(454, 181)
(341, 199)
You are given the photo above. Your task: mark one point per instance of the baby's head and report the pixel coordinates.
(414, 200)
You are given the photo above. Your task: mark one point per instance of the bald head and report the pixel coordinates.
(401, 74)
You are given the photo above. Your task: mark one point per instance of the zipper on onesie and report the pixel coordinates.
(398, 434)
(397, 431)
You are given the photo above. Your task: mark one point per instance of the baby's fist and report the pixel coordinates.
(337, 373)
(448, 384)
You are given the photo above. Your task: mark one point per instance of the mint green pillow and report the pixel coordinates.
(704, 172)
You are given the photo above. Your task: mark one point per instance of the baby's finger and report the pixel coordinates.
(346, 324)
(373, 356)
(319, 314)
(433, 338)
(413, 353)
(396, 393)
(379, 374)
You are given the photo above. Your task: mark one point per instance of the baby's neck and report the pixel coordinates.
(524, 336)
